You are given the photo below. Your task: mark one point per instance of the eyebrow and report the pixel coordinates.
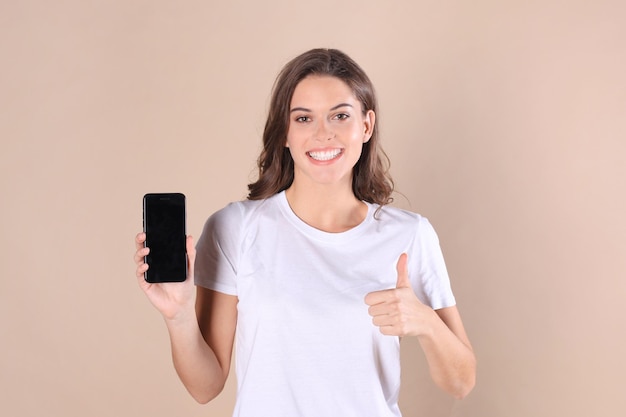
(304, 109)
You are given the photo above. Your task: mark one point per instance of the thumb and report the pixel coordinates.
(191, 256)
(403, 272)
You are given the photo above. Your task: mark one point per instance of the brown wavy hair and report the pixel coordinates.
(371, 181)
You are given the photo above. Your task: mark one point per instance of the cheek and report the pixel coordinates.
(354, 131)
(292, 135)
(292, 144)
(297, 136)
(357, 137)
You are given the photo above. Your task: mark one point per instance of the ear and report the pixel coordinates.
(368, 125)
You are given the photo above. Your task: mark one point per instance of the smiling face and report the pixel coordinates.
(327, 130)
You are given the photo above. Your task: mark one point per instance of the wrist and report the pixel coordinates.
(183, 316)
(430, 324)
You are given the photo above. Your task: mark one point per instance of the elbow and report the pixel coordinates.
(461, 388)
(204, 396)
(202, 399)
(459, 384)
(466, 383)
(464, 389)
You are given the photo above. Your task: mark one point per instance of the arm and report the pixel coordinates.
(398, 312)
(450, 357)
(201, 344)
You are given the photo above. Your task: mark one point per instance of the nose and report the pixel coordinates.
(323, 131)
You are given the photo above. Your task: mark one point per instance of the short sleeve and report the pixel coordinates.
(433, 283)
(218, 249)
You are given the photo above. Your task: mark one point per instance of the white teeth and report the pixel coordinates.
(325, 155)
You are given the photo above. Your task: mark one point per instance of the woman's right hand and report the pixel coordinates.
(174, 300)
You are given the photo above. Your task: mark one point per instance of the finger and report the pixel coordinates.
(381, 309)
(191, 257)
(140, 239)
(403, 272)
(384, 320)
(376, 297)
(141, 270)
(389, 331)
(141, 254)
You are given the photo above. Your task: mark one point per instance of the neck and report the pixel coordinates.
(331, 208)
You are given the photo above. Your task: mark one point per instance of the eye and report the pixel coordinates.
(303, 119)
(342, 116)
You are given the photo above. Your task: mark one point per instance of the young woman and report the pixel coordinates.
(315, 275)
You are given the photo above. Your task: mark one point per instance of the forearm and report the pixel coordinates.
(195, 362)
(451, 361)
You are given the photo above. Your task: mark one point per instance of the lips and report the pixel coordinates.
(326, 155)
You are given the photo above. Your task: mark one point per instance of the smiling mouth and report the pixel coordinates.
(325, 155)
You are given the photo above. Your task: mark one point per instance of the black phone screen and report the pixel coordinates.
(164, 225)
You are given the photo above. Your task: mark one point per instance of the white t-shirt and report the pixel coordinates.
(305, 343)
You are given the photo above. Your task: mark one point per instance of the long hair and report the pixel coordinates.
(371, 181)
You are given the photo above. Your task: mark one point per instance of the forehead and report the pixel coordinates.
(322, 89)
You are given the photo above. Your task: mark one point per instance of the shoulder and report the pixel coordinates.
(239, 213)
(405, 221)
(236, 226)
(390, 214)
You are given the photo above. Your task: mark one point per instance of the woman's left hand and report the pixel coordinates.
(398, 311)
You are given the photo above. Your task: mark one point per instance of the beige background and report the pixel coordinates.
(505, 122)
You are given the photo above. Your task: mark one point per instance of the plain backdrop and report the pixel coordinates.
(505, 123)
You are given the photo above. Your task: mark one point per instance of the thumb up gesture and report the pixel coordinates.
(398, 311)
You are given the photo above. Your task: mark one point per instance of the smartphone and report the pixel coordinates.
(164, 224)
